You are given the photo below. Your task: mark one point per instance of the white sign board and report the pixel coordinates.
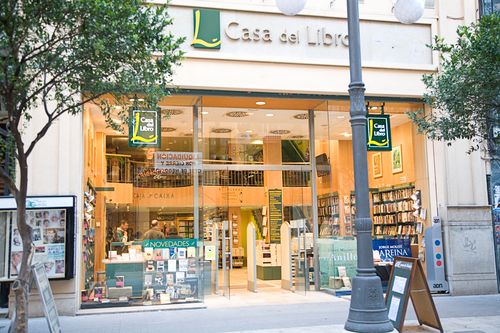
(49, 305)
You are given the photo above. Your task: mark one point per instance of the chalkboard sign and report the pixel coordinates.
(49, 305)
(408, 281)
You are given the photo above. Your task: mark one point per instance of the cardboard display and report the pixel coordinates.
(408, 281)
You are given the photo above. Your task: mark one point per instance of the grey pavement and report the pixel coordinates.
(292, 313)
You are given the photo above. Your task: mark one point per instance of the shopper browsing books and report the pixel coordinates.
(154, 232)
(121, 232)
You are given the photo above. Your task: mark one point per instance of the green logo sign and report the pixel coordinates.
(379, 132)
(206, 29)
(144, 129)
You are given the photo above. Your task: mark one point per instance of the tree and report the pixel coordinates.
(57, 55)
(466, 91)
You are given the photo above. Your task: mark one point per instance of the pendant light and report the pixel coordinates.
(290, 7)
(408, 11)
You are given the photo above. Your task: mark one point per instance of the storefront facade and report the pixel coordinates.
(261, 119)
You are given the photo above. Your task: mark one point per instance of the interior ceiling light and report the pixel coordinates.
(346, 134)
(221, 130)
(168, 129)
(340, 117)
(237, 114)
(260, 103)
(171, 112)
(297, 137)
(249, 131)
(280, 132)
(301, 116)
(269, 115)
(257, 142)
(204, 112)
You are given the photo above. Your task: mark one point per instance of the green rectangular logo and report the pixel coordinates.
(144, 129)
(378, 134)
(206, 29)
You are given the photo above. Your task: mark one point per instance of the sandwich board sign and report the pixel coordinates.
(408, 281)
(49, 305)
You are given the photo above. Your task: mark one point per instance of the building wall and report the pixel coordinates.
(457, 180)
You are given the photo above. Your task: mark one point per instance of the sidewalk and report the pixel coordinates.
(278, 312)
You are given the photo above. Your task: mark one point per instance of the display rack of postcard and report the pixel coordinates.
(170, 274)
(88, 239)
(393, 212)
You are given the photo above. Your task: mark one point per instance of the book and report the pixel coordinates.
(170, 279)
(172, 265)
(164, 298)
(98, 292)
(160, 266)
(179, 277)
(173, 253)
(148, 279)
(120, 281)
(157, 254)
(148, 253)
(159, 279)
(150, 266)
(342, 271)
(191, 252)
(165, 253)
(183, 265)
(181, 253)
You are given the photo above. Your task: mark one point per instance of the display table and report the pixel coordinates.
(132, 272)
(269, 272)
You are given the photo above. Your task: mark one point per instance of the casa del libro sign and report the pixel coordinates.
(207, 29)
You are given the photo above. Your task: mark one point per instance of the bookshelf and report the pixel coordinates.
(328, 215)
(393, 212)
(185, 227)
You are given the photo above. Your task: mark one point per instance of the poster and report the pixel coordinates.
(389, 248)
(49, 237)
(275, 215)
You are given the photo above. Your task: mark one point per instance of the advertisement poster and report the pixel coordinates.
(334, 254)
(275, 215)
(390, 248)
(49, 237)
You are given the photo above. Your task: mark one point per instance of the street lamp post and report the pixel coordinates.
(367, 312)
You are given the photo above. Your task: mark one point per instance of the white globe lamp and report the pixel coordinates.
(290, 7)
(409, 11)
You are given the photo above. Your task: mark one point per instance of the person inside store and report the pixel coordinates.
(121, 232)
(154, 232)
(170, 231)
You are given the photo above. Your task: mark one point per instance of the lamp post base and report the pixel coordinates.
(367, 313)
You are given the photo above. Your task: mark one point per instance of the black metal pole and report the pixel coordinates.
(367, 312)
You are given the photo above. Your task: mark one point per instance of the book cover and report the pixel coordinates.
(173, 253)
(150, 266)
(158, 254)
(191, 266)
(172, 265)
(98, 292)
(191, 252)
(148, 253)
(170, 279)
(181, 253)
(159, 279)
(165, 253)
(148, 279)
(120, 281)
(160, 266)
(179, 277)
(183, 265)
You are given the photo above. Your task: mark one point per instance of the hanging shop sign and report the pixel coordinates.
(144, 129)
(378, 132)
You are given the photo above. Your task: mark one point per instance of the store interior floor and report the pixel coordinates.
(239, 282)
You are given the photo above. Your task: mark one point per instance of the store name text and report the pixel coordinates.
(311, 36)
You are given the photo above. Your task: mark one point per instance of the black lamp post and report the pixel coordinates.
(367, 312)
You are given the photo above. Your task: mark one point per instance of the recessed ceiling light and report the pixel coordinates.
(269, 115)
(374, 107)
(346, 134)
(204, 112)
(257, 142)
(340, 117)
(249, 131)
(260, 103)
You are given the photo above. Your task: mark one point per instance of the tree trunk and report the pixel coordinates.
(21, 285)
